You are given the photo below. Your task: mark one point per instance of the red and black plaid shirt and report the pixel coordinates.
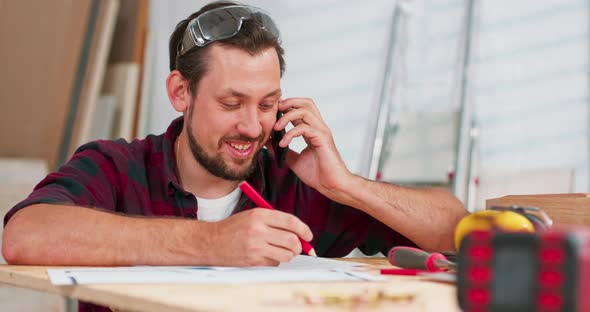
(139, 178)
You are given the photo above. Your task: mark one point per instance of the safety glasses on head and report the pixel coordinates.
(222, 23)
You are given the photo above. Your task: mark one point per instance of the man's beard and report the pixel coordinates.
(215, 164)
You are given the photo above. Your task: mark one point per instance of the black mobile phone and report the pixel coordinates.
(280, 152)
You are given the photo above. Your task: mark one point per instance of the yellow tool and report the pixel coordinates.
(501, 220)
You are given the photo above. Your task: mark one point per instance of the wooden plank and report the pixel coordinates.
(40, 44)
(564, 209)
(79, 82)
(141, 56)
(94, 76)
(129, 47)
(144, 97)
(131, 27)
(122, 80)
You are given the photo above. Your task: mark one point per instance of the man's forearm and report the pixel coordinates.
(66, 235)
(426, 216)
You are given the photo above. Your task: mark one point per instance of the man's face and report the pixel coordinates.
(234, 110)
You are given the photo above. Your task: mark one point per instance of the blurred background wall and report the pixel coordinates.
(517, 71)
(527, 85)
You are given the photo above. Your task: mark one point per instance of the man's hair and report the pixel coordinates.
(251, 38)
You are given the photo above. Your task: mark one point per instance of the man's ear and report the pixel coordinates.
(178, 92)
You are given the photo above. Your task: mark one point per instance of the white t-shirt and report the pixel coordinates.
(213, 210)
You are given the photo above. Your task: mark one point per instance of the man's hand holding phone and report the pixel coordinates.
(319, 165)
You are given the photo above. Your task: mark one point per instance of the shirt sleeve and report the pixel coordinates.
(360, 230)
(88, 179)
(339, 229)
(381, 238)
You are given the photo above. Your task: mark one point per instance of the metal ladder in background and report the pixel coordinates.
(464, 176)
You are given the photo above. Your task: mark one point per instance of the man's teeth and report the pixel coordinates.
(241, 147)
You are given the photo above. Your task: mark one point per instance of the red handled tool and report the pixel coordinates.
(414, 258)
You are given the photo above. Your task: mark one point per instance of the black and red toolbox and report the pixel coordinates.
(515, 271)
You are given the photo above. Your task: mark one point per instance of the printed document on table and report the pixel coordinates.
(300, 269)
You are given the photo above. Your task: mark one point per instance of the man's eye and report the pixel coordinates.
(230, 105)
(267, 106)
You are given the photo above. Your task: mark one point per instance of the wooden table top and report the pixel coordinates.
(424, 294)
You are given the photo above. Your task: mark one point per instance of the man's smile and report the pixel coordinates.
(240, 149)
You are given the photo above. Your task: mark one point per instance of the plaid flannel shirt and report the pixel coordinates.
(139, 178)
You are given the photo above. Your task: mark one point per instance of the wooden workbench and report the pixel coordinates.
(427, 295)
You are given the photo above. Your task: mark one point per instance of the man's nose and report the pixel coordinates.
(249, 124)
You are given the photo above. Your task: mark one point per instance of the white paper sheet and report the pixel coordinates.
(317, 263)
(301, 268)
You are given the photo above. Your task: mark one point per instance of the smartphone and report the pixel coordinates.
(280, 152)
